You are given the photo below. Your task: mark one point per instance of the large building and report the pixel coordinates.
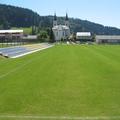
(10, 35)
(112, 39)
(61, 31)
(83, 36)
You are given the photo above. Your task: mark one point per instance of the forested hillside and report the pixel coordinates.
(11, 16)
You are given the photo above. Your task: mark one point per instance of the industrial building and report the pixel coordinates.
(11, 34)
(111, 39)
(83, 36)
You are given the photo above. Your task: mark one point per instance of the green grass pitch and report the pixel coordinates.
(66, 80)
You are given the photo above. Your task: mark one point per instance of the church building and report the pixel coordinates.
(61, 31)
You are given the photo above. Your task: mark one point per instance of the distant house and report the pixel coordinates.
(61, 31)
(30, 38)
(83, 36)
(11, 34)
(113, 39)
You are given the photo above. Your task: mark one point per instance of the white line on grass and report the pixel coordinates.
(14, 70)
(62, 117)
(32, 51)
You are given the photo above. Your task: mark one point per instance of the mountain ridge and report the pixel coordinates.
(13, 16)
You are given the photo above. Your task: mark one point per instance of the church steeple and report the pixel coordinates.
(55, 20)
(66, 17)
(55, 17)
(67, 20)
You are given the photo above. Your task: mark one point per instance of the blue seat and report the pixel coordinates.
(13, 51)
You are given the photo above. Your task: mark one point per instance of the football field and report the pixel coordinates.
(65, 82)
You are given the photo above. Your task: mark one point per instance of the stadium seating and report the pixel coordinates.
(11, 52)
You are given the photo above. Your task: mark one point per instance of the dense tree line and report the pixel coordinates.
(11, 16)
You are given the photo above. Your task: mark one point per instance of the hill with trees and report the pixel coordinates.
(11, 16)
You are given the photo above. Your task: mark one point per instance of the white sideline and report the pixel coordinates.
(32, 51)
(62, 117)
(14, 70)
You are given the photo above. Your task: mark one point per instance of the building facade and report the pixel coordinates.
(61, 31)
(83, 36)
(10, 35)
(111, 39)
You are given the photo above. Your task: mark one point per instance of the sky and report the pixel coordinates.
(105, 12)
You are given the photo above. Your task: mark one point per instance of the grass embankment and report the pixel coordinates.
(27, 30)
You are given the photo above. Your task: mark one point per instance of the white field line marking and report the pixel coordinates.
(17, 68)
(32, 51)
(61, 117)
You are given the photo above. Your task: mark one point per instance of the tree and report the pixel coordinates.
(93, 37)
(6, 25)
(21, 17)
(74, 36)
(62, 40)
(34, 25)
(33, 30)
(43, 36)
(52, 38)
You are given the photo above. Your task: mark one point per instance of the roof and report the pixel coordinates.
(60, 27)
(112, 37)
(30, 37)
(11, 31)
(80, 34)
